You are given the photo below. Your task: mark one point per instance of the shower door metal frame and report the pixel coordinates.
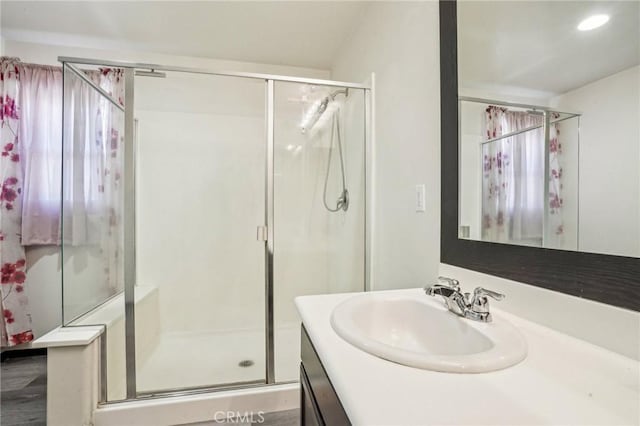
(255, 76)
(269, 248)
(129, 234)
(129, 213)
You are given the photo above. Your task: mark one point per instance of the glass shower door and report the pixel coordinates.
(319, 204)
(200, 196)
(92, 233)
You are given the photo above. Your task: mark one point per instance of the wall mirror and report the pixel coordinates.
(540, 144)
(549, 124)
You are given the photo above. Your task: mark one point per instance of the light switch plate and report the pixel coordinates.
(420, 198)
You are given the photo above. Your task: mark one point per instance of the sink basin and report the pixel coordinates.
(419, 331)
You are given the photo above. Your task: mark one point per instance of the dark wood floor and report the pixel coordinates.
(276, 418)
(23, 395)
(23, 391)
(281, 418)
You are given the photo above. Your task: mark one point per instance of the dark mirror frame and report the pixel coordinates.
(614, 280)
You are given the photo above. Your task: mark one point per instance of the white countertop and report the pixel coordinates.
(563, 380)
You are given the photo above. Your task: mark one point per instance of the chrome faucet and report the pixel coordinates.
(472, 306)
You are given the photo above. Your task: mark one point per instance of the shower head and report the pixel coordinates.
(323, 106)
(318, 108)
(313, 114)
(152, 73)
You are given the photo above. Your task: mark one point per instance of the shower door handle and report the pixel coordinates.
(261, 233)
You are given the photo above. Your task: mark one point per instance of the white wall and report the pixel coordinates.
(399, 42)
(44, 288)
(199, 198)
(609, 161)
(2, 47)
(506, 94)
(48, 54)
(44, 277)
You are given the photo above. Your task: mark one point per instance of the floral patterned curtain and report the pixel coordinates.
(112, 190)
(40, 140)
(555, 225)
(93, 161)
(16, 319)
(32, 160)
(513, 180)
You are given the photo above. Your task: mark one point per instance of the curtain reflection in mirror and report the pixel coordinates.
(513, 184)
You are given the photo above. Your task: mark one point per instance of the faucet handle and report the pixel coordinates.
(453, 283)
(479, 303)
(479, 292)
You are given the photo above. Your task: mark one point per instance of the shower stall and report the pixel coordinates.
(196, 206)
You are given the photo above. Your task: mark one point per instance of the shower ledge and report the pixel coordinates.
(69, 336)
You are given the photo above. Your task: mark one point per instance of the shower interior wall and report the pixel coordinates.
(183, 164)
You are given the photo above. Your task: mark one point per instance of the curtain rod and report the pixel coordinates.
(527, 129)
(29, 64)
(34, 65)
(511, 104)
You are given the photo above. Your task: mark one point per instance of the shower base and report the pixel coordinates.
(183, 360)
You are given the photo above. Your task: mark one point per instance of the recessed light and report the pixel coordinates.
(593, 22)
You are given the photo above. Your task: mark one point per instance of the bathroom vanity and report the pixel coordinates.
(562, 380)
(319, 403)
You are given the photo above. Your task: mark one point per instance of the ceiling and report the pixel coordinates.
(535, 45)
(306, 34)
